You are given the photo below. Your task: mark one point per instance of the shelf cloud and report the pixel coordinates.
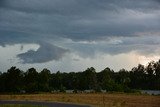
(83, 27)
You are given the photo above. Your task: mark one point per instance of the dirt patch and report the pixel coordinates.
(99, 100)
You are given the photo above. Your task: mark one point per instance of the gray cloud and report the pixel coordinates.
(13, 37)
(45, 53)
(80, 19)
(114, 46)
(38, 21)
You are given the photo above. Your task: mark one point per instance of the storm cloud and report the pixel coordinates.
(82, 27)
(80, 19)
(45, 53)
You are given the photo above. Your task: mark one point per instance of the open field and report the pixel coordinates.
(18, 105)
(98, 100)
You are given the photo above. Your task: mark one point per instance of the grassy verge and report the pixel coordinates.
(18, 105)
(98, 100)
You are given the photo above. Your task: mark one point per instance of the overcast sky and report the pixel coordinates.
(71, 35)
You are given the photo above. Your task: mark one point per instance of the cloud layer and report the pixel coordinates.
(83, 27)
(79, 19)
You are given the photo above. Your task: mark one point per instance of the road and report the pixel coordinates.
(48, 104)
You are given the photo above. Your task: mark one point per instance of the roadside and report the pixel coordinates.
(95, 99)
(42, 103)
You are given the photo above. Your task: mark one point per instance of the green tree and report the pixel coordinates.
(150, 70)
(123, 77)
(31, 80)
(105, 79)
(157, 68)
(43, 80)
(14, 80)
(90, 79)
(2, 82)
(157, 75)
(138, 77)
(56, 80)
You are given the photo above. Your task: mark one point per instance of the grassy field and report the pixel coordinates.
(18, 105)
(97, 100)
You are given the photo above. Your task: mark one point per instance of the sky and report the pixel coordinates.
(72, 35)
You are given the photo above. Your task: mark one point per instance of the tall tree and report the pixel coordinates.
(43, 80)
(31, 80)
(105, 79)
(138, 77)
(150, 70)
(157, 68)
(157, 75)
(14, 80)
(56, 80)
(90, 78)
(2, 82)
(123, 77)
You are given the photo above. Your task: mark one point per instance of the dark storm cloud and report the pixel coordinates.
(31, 21)
(45, 53)
(13, 37)
(81, 19)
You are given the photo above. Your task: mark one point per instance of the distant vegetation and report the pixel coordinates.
(31, 81)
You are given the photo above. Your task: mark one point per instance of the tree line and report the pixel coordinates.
(138, 78)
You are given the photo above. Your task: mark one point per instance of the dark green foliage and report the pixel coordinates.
(31, 80)
(43, 80)
(13, 80)
(140, 77)
(56, 80)
(90, 79)
(2, 82)
(105, 79)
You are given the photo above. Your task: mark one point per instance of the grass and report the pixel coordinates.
(18, 105)
(95, 99)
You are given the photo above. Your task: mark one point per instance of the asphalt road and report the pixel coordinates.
(48, 104)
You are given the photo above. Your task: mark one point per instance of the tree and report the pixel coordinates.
(105, 79)
(2, 82)
(123, 77)
(138, 77)
(56, 80)
(157, 75)
(43, 80)
(31, 80)
(157, 68)
(70, 80)
(150, 70)
(90, 79)
(14, 80)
